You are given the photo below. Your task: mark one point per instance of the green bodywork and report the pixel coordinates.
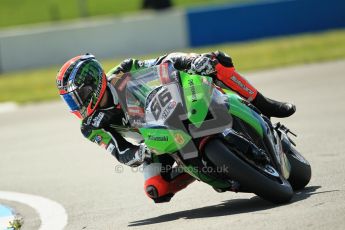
(197, 93)
(164, 141)
(240, 110)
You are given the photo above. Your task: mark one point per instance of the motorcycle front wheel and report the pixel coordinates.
(273, 188)
(300, 173)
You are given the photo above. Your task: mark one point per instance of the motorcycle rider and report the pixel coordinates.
(87, 90)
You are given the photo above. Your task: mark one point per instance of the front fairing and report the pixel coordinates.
(239, 108)
(148, 97)
(156, 102)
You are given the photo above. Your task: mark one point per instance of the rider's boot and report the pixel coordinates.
(272, 108)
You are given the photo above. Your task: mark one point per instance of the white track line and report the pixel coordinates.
(5, 222)
(6, 216)
(8, 107)
(53, 216)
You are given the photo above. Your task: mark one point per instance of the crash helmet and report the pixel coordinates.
(82, 82)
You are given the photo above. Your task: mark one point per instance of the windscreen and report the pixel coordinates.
(150, 95)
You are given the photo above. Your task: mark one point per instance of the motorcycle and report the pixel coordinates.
(212, 133)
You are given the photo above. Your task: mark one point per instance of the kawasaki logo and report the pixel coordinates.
(193, 90)
(155, 138)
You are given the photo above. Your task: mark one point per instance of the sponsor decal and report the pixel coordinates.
(157, 138)
(97, 120)
(179, 139)
(193, 90)
(238, 82)
(136, 123)
(111, 147)
(98, 139)
(88, 121)
(125, 119)
(135, 111)
(163, 73)
(167, 111)
(59, 84)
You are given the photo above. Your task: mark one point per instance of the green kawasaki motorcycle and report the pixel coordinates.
(213, 134)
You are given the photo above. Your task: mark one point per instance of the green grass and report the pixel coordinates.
(39, 85)
(18, 12)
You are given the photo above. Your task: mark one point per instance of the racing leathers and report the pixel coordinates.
(109, 126)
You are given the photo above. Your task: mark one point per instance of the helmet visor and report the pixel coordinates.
(72, 101)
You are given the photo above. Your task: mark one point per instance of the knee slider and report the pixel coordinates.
(153, 193)
(156, 187)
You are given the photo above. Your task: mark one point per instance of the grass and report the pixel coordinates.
(16, 224)
(19, 12)
(39, 85)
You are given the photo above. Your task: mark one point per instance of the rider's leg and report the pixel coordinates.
(160, 183)
(227, 74)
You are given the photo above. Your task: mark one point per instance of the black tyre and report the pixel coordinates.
(300, 174)
(274, 189)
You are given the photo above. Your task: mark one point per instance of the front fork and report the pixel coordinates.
(277, 140)
(245, 147)
(273, 143)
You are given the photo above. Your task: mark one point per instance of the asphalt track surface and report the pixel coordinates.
(43, 153)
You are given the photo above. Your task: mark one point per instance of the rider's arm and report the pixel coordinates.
(220, 66)
(95, 129)
(181, 61)
(130, 64)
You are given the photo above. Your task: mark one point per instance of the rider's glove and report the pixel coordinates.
(141, 155)
(202, 65)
